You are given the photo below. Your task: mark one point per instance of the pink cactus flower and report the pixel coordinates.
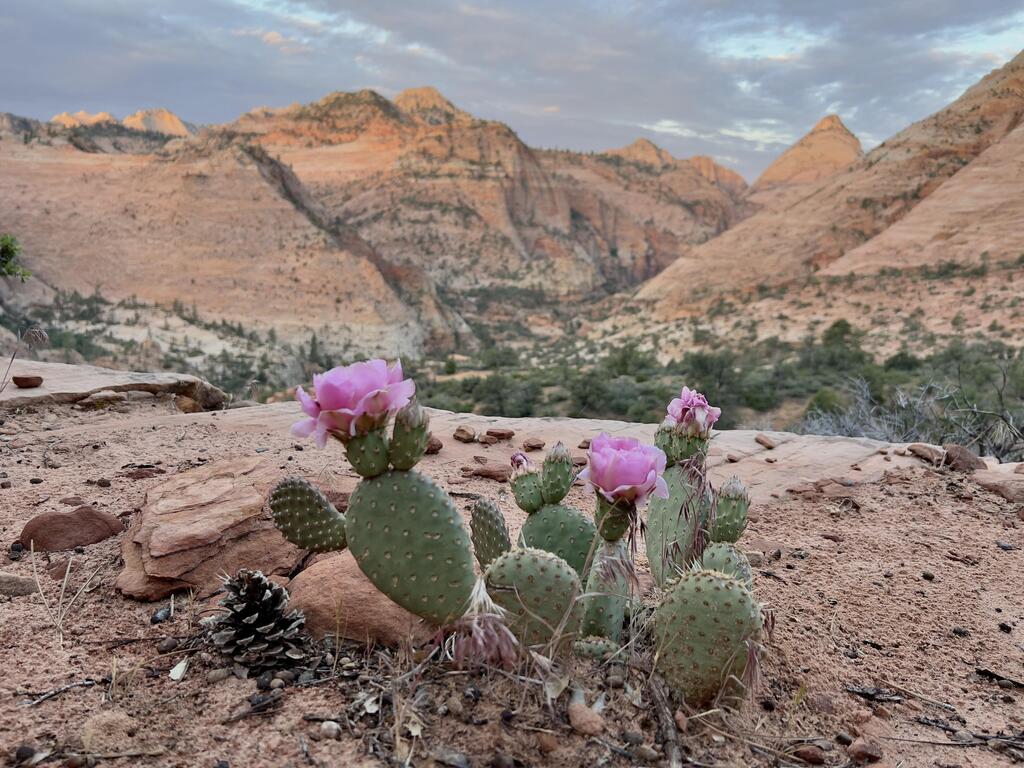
(621, 468)
(352, 399)
(692, 411)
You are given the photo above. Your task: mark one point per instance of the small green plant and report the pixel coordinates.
(10, 261)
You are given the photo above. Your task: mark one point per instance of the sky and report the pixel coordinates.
(735, 79)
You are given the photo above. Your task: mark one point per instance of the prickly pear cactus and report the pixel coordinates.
(703, 631)
(408, 538)
(675, 525)
(526, 487)
(409, 438)
(608, 591)
(540, 594)
(305, 517)
(562, 530)
(730, 518)
(725, 558)
(557, 474)
(680, 446)
(489, 532)
(368, 454)
(599, 648)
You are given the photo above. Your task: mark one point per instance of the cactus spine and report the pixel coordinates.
(305, 517)
(675, 526)
(608, 591)
(489, 532)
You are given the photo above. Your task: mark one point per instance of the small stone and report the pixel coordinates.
(217, 675)
(646, 753)
(546, 742)
(465, 434)
(821, 702)
(434, 445)
(330, 730)
(585, 720)
(533, 444)
(502, 760)
(762, 439)
(863, 750)
(16, 586)
(882, 712)
(499, 473)
(1006, 685)
(963, 736)
(277, 683)
(1005, 546)
(288, 675)
(35, 480)
(167, 645)
(810, 754)
(103, 482)
(24, 753)
(682, 721)
(928, 576)
(633, 738)
(584, 443)
(187, 404)
(961, 632)
(732, 458)
(960, 458)
(844, 738)
(933, 454)
(76, 761)
(5, 484)
(455, 705)
(488, 440)
(1004, 627)
(501, 433)
(263, 681)
(160, 615)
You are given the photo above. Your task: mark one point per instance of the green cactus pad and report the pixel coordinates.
(730, 518)
(725, 558)
(526, 487)
(305, 517)
(540, 594)
(599, 648)
(368, 454)
(565, 531)
(608, 592)
(672, 524)
(612, 520)
(490, 534)
(409, 438)
(408, 538)
(678, 446)
(557, 474)
(701, 629)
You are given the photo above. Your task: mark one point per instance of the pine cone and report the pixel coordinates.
(256, 631)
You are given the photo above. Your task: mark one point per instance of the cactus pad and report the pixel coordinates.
(613, 520)
(408, 538)
(526, 487)
(725, 558)
(368, 454)
(409, 438)
(673, 523)
(678, 446)
(557, 474)
(701, 631)
(540, 594)
(305, 517)
(731, 508)
(490, 534)
(608, 592)
(592, 647)
(565, 531)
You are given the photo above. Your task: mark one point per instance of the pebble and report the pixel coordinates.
(277, 683)
(928, 576)
(810, 754)
(844, 738)
(35, 480)
(646, 753)
(455, 706)
(682, 721)
(961, 632)
(167, 645)
(103, 482)
(264, 680)
(1005, 546)
(5, 484)
(585, 720)
(217, 675)
(1004, 627)
(330, 730)
(76, 761)
(963, 736)
(24, 753)
(864, 750)
(633, 738)
(502, 760)
(160, 615)
(547, 742)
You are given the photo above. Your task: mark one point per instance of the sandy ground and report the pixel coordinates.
(909, 583)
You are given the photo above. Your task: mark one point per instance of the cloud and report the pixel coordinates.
(727, 78)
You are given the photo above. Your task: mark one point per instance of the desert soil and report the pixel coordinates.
(903, 586)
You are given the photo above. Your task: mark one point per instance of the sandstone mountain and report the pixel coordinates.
(158, 121)
(835, 216)
(81, 117)
(828, 148)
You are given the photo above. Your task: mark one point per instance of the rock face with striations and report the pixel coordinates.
(203, 523)
(828, 148)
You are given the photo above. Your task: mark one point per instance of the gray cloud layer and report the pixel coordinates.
(735, 79)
